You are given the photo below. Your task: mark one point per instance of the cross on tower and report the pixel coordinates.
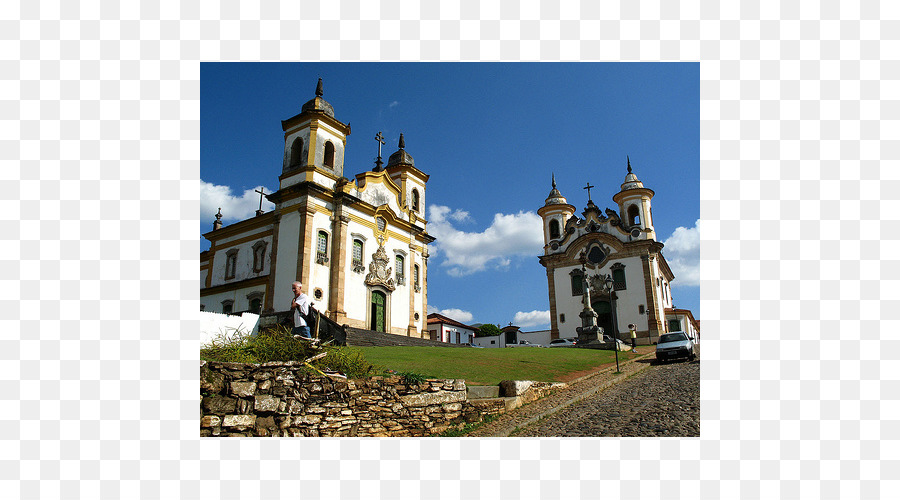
(261, 192)
(588, 187)
(380, 140)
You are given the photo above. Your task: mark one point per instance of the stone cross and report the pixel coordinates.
(380, 140)
(588, 187)
(261, 192)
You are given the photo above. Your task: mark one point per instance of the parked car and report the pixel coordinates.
(523, 343)
(674, 345)
(561, 343)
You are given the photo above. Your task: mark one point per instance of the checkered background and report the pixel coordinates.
(99, 169)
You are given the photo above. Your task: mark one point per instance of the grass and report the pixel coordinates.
(490, 366)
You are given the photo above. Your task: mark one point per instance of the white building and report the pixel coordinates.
(619, 243)
(360, 247)
(444, 329)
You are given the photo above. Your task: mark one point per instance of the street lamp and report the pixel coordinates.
(607, 283)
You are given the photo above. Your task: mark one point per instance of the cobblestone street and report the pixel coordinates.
(662, 400)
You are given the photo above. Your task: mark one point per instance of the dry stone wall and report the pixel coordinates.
(281, 399)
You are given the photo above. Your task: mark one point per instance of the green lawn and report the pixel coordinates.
(490, 366)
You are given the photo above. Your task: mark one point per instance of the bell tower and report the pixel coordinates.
(555, 212)
(634, 207)
(314, 141)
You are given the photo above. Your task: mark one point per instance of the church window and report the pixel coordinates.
(596, 255)
(322, 248)
(381, 223)
(255, 300)
(400, 275)
(562, 318)
(577, 282)
(227, 306)
(554, 229)
(674, 325)
(357, 256)
(416, 278)
(618, 276)
(329, 154)
(296, 152)
(230, 263)
(634, 216)
(415, 200)
(259, 256)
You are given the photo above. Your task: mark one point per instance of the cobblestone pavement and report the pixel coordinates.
(578, 410)
(663, 400)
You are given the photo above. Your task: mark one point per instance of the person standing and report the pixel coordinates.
(633, 338)
(300, 308)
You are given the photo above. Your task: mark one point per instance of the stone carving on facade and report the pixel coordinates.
(379, 273)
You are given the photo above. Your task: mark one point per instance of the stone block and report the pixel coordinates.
(219, 405)
(307, 419)
(453, 407)
(512, 388)
(239, 422)
(433, 398)
(243, 389)
(265, 422)
(265, 403)
(295, 407)
(211, 382)
(210, 421)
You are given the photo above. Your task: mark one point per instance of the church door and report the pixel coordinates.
(604, 316)
(377, 312)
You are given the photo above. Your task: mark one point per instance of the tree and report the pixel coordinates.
(487, 330)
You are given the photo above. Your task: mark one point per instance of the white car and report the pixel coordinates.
(674, 345)
(561, 343)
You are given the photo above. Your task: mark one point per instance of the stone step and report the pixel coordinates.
(483, 391)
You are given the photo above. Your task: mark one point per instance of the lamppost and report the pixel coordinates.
(607, 283)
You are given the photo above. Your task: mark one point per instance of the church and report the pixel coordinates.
(620, 245)
(359, 247)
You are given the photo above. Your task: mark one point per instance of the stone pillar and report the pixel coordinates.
(551, 286)
(306, 244)
(653, 317)
(269, 305)
(338, 266)
(411, 330)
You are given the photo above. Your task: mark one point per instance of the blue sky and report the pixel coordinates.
(490, 135)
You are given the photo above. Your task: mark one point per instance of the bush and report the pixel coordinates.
(277, 344)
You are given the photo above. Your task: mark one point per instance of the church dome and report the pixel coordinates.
(318, 103)
(631, 180)
(401, 156)
(555, 197)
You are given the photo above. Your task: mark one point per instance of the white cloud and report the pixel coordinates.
(234, 208)
(509, 236)
(393, 104)
(533, 318)
(457, 314)
(682, 251)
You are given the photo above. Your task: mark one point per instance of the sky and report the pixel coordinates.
(489, 135)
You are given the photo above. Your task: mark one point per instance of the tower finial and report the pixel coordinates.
(319, 91)
(402, 144)
(629, 164)
(553, 177)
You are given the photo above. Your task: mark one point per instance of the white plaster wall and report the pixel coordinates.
(376, 194)
(213, 303)
(288, 245)
(320, 274)
(244, 263)
(203, 274)
(541, 338)
(449, 334)
(355, 291)
(400, 296)
(566, 303)
(323, 134)
(498, 341)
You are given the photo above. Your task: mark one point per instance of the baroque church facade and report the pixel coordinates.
(359, 247)
(620, 244)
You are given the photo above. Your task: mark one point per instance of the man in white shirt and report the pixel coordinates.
(300, 303)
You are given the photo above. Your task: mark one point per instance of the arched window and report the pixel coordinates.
(256, 305)
(259, 256)
(415, 200)
(416, 277)
(634, 215)
(296, 152)
(577, 282)
(230, 263)
(329, 154)
(322, 248)
(400, 274)
(554, 229)
(357, 262)
(618, 276)
(227, 306)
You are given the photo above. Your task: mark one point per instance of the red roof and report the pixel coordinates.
(435, 318)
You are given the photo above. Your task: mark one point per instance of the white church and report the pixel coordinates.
(620, 244)
(360, 247)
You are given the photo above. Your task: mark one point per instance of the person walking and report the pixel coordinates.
(300, 308)
(633, 338)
